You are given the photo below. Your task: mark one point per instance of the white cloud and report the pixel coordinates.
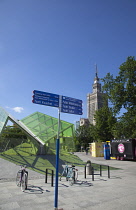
(16, 109)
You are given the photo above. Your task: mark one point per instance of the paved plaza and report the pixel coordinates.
(118, 192)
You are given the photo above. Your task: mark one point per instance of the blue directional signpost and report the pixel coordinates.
(47, 99)
(71, 105)
(66, 105)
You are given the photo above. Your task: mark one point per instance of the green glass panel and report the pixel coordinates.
(3, 118)
(46, 127)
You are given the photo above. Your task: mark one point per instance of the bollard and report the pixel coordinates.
(52, 176)
(88, 168)
(85, 172)
(100, 170)
(46, 174)
(108, 172)
(92, 174)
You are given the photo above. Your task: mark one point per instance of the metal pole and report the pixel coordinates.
(108, 172)
(92, 174)
(56, 178)
(57, 162)
(100, 170)
(85, 172)
(52, 177)
(46, 174)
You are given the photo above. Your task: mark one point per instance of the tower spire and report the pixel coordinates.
(96, 70)
(96, 79)
(95, 99)
(96, 85)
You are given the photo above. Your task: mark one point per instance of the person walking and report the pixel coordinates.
(86, 150)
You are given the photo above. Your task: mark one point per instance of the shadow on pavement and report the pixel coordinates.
(32, 189)
(78, 183)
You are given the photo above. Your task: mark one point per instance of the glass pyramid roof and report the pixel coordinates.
(40, 127)
(45, 127)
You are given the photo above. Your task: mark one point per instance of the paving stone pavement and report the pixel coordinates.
(118, 192)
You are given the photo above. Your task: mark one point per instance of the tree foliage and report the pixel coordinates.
(13, 132)
(121, 93)
(125, 127)
(105, 121)
(12, 136)
(84, 135)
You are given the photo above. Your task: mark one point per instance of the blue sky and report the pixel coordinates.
(53, 45)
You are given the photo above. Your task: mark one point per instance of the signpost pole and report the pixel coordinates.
(57, 161)
(66, 105)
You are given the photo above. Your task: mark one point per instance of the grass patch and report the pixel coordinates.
(104, 167)
(71, 159)
(23, 156)
(35, 163)
(39, 163)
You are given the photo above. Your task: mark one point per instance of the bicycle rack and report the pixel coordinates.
(97, 174)
(52, 176)
(108, 170)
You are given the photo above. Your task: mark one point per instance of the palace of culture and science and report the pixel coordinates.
(95, 101)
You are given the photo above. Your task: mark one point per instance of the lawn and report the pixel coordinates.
(25, 154)
(39, 163)
(43, 162)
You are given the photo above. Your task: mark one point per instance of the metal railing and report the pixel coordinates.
(100, 171)
(108, 170)
(52, 176)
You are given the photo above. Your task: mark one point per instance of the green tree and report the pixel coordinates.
(105, 121)
(13, 132)
(125, 127)
(121, 92)
(84, 136)
(119, 130)
(12, 136)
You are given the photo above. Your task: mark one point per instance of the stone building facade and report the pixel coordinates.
(95, 100)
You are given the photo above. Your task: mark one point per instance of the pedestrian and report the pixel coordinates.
(86, 151)
(81, 148)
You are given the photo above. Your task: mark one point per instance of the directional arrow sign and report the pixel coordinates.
(71, 100)
(71, 105)
(46, 103)
(44, 98)
(45, 94)
(67, 104)
(72, 111)
(49, 99)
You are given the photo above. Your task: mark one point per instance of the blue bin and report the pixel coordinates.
(106, 152)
